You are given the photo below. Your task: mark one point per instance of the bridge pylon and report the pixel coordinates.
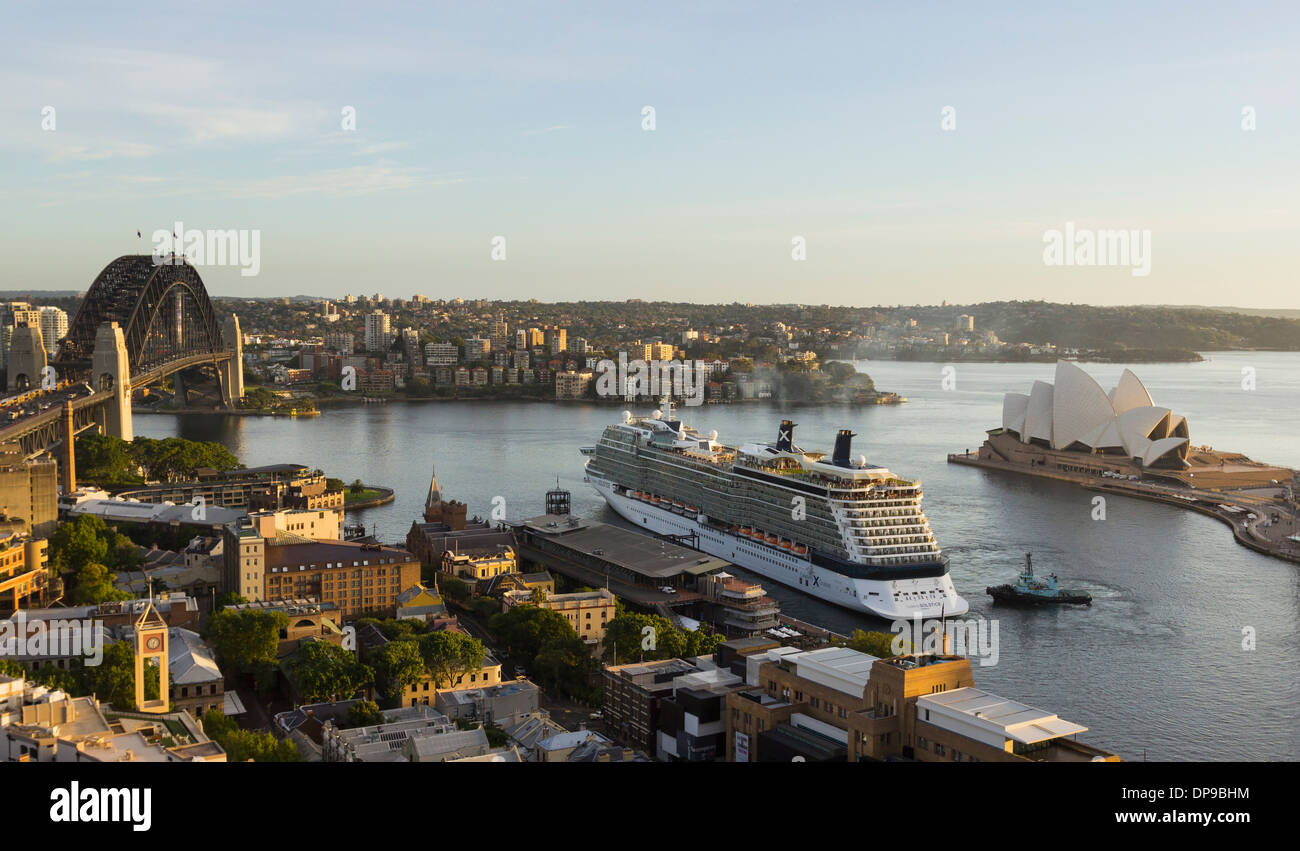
(68, 463)
(26, 358)
(111, 370)
(231, 373)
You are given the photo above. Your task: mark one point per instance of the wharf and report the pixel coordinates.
(1259, 518)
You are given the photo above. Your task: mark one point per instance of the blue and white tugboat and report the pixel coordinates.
(1031, 591)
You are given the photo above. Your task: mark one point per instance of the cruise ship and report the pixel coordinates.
(836, 528)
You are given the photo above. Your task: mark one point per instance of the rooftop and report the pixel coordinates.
(333, 554)
(190, 659)
(1006, 719)
(630, 550)
(839, 668)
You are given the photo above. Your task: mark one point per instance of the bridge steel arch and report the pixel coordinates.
(163, 310)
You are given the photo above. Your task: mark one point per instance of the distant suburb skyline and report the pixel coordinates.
(908, 154)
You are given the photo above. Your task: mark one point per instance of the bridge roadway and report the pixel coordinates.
(39, 428)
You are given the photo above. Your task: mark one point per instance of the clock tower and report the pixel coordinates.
(150, 644)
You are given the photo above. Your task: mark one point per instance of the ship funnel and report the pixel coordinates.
(843, 445)
(785, 437)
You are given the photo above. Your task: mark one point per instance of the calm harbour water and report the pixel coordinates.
(1155, 667)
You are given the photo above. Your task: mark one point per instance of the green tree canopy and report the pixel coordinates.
(178, 459)
(94, 585)
(105, 459)
(79, 542)
(324, 671)
(448, 656)
(638, 636)
(396, 629)
(243, 745)
(246, 639)
(397, 665)
(453, 588)
(113, 680)
(365, 713)
(525, 630)
(878, 644)
(566, 665)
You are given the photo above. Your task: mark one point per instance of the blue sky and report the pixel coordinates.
(771, 121)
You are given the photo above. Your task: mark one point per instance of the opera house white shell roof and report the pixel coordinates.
(1076, 414)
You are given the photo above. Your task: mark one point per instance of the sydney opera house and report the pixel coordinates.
(1075, 415)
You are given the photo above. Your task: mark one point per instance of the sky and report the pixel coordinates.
(821, 153)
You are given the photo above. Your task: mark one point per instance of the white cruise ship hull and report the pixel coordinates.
(926, 597)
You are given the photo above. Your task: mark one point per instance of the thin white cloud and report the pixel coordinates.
(101, 151)
(338, 182)
(203, 124)
(548, 130)
(353, 181)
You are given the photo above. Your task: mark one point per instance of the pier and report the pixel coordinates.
(1258, 509)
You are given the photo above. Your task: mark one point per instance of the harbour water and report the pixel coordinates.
(1156, 667)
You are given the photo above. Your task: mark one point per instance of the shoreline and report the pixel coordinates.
(1243, 531)
(884, 400)
(386, 495)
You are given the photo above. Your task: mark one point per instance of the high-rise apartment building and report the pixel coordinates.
(340, 341)
(556, 340)
(441, 354)
(379, 336)
(54, 327)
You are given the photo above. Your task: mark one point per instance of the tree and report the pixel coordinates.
(878, 644)
(79, 542)
(839, 371)
(525, 630)
(324, 671)
(638, 636)
(113, 679)
(55, 677)
(229, 598)
(244, 745)
(565, 664)
(176, 459)
(398, 664)
(105, 459)
(701, 643)
(10, 668)
(496, 737)
(453, 589)
(357, 487)
(364, 713)
(248, 639)
(94, 585)
(448, 656)
(395, 629)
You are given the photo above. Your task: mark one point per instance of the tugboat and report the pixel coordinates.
(1030, 591)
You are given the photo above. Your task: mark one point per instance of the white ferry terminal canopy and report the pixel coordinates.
(631, 551)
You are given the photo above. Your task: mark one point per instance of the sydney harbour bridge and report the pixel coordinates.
(140, 322)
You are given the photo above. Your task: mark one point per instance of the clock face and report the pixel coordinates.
(153, 642)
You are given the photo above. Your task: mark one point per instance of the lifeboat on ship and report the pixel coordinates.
(772, 539)
(801, 549)
(787, 545)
